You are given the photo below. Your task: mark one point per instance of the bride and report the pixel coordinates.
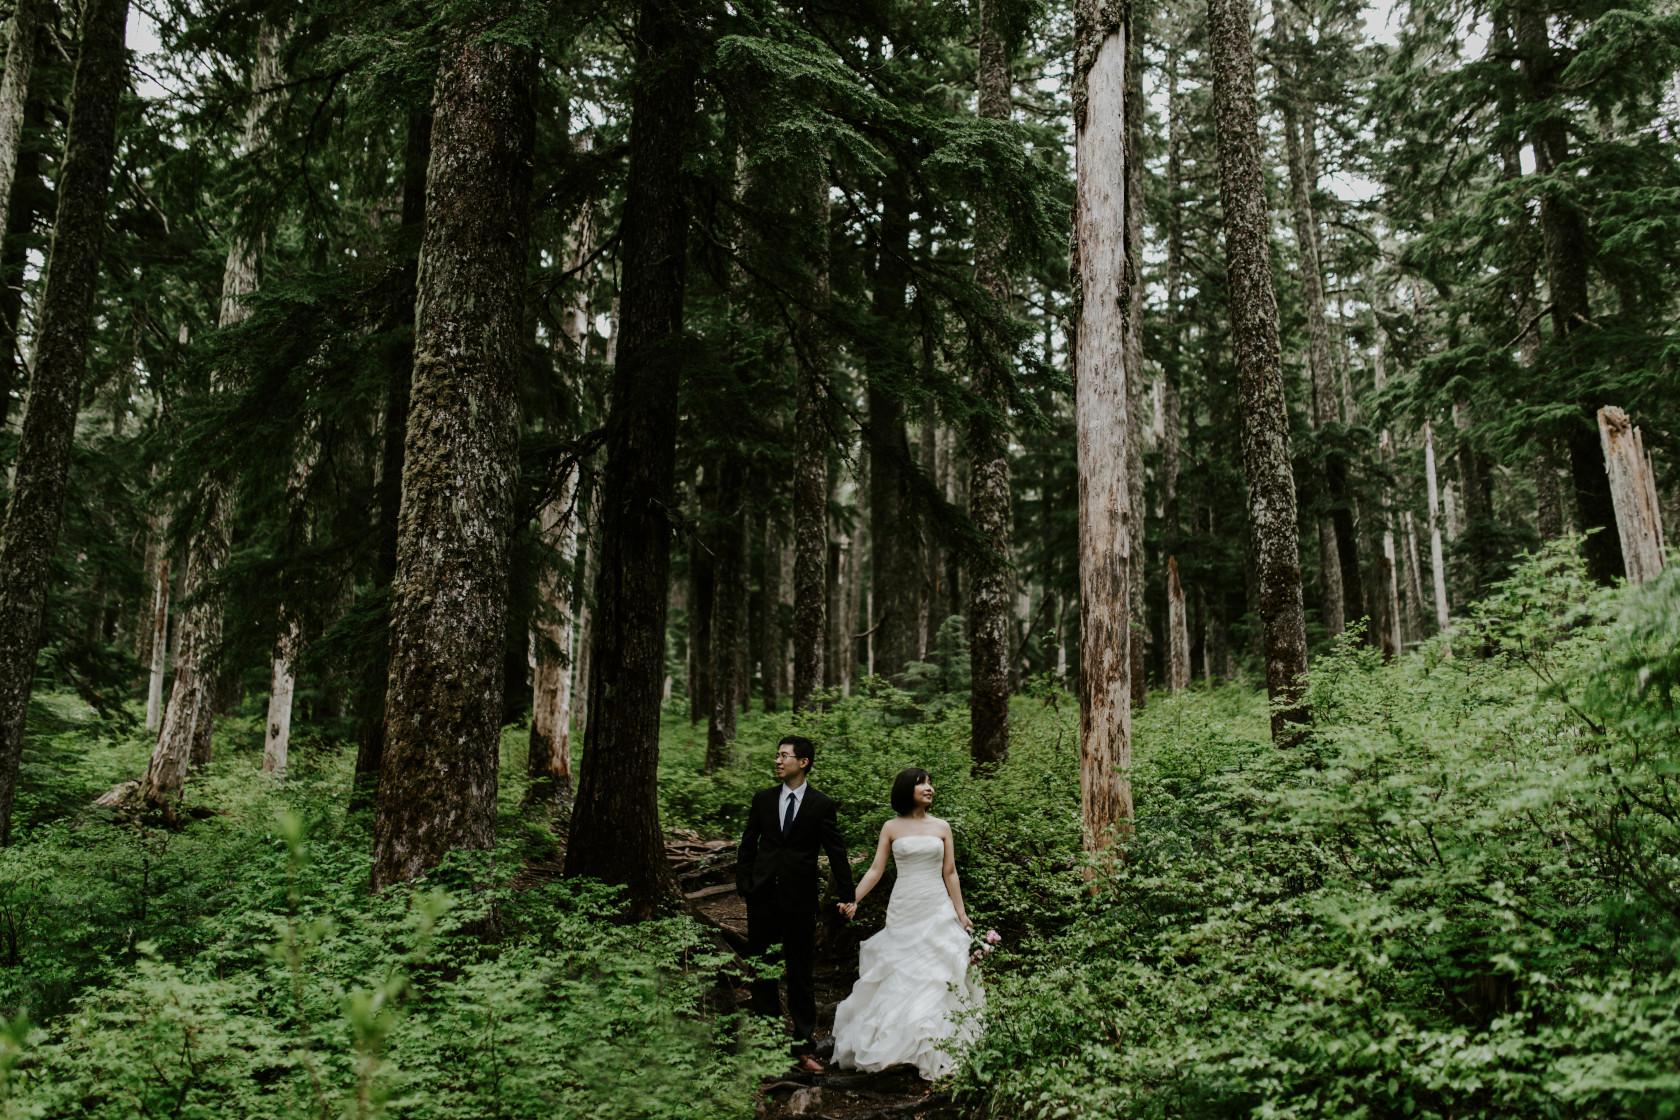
(915, 999)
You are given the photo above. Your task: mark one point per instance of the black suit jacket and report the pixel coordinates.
(773, 867)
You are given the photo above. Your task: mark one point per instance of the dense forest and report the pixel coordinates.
(447, 443)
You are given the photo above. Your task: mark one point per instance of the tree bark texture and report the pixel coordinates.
(1567, 247)
(28, 198)
(185, 738)
(810, 471)
(1436, 561)
(548, 751)
(771, 645)
(1102, 428)
(437, 787)
(1634, 490)
(1178, 632)
(14, 93)
(370, 701)
(895, 529)
(615, 835)
(989, 599)
(289, 641)
(159, 652)
(1321, 377)
(35, 510)
(728, 552)
(1265, 423)
(1138, 634)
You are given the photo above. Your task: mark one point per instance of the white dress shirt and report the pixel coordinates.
(798, 796)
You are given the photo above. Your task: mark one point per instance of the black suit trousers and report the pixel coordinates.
(768, 925)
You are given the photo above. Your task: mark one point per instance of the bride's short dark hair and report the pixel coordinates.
(904, 789)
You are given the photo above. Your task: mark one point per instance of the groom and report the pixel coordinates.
(776, 873)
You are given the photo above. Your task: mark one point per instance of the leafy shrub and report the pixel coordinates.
(1454, 899)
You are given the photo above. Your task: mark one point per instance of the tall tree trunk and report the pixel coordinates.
(548, 751)
(35, 510)
(14, 95)
(443, 706)
(702, 594)
(771, 642)
(615, 835)
(727, 554)
(1567, 248)
(158, 654)
(1414, 579)
(810, 465)
(289, 643)
(1320, 375)
(1139, 630)
(1265, 423)
(1178, 641)
(988, 443)
(28, 198)
(1436, 561)
(895, 542)
(548, 757)
(370, 696)
(1106, 520)
(185, 738)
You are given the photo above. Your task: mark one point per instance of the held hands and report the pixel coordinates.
(848, 910)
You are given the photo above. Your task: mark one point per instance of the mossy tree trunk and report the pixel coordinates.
(35, 510)
(1254, 329)
(437, 786)
(370, 693)
(990, 606)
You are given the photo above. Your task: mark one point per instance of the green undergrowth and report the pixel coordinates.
(237, 966)
(1456, 898)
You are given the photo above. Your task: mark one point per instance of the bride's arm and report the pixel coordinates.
(953, 885)
(866, 884)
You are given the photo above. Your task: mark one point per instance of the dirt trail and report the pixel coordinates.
(706, 871)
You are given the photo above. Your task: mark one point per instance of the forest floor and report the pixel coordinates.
(705, 869)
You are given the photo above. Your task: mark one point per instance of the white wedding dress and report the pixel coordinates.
(916, 997)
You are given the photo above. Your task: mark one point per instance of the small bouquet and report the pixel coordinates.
(984, 949)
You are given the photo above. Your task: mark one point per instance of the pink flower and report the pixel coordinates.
(993, 937)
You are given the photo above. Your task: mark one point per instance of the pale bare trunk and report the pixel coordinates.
(549, 750)
(1138, 632)
(1414, 580)
(1389, 587)
(185, 737)
(1633, 490)
(1102, 426)
(1178, 631)
(1437, 563)
(289, 643)
(160, 644)
(282, 685)
(548, 759)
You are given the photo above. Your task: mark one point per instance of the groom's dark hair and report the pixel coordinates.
(904, 789)
(803, 749)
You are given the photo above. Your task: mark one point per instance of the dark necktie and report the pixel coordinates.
(787, 821)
